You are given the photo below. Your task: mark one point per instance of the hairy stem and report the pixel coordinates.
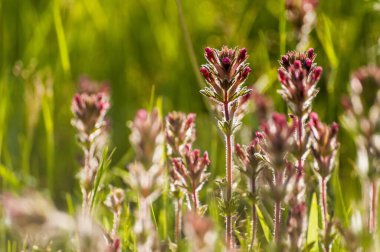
(254, 214)
(229, 140)
(116, 223)
(323, 198)
(178, 218)
(277, 209)
(301, 150)
(277, 221)
(195, 201)
(373, 207)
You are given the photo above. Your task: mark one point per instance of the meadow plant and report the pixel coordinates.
(89, 109)
(146, 174)
(225, 74)
(250, 157)
(179, 132)
(362, 118)
(324, 148)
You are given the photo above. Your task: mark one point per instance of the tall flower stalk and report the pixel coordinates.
(299, 76)
(324, 148)
(276, 143)
(225, 74)
(363, 119)
(89, 109)
(191, 171)
(250, 158)
(179, 132)
(146, 174)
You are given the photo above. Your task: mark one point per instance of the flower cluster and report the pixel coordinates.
(146, 174)
(180, 131)
(225, 75)
(324, 145)
(299, 76)
(277, 140)
(191, 171)
(89, 109)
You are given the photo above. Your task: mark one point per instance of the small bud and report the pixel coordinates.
(317, 73)
(205, 73)
(209, 54)
(334, 128)
(242, 54)
(297, 64)
(310, 53)
(308, 63)
(246, 72)
(282, 76)
(226, 62)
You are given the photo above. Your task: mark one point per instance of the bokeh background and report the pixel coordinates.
(146, 48)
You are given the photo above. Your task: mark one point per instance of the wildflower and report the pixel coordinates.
(89, 110)
(299, 76)
(225, 75)
(191, 171)
(362, 118)
(324, 146)
(146, 174)
(114, 202)
(180, 131)
(277, 141)
(251, 158)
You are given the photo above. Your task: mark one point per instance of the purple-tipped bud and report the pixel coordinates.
(285, 61)
(297, 64)
(334, 128)
(308, 63)
(310, 53)
(317, 73)
(259, 135)
(282, 76)
(242, 54)
(209, 54)
(206, 74)
(246, 72)
(226, 62)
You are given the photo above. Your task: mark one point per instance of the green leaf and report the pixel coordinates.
(264, 226)
(312, 231)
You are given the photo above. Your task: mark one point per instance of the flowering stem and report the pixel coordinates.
(229, 140)
(373, 207)
(277, 210)
(195, 201)
(254, 215)
(300, 162)
(178, 218)
(277, 220)
(323, 197)
(116, 222)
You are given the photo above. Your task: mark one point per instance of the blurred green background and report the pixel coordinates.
(136, 45)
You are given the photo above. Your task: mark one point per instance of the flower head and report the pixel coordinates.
(179, 131)
(324, 145)
(147, 136)
(89, 111)
(191, 171)
(225, 74)
(299, 76)
(277, 140)
(251, 157)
